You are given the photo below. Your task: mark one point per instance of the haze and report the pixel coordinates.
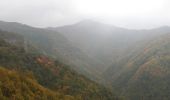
(84, 50)
(135, 14)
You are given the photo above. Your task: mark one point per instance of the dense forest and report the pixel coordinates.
(19, 86)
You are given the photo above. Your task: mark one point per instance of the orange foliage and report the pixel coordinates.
(45, 60)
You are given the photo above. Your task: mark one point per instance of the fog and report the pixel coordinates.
(135, 14)
(85, 49)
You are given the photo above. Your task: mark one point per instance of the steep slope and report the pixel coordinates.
(48, 72)
(105, 43)
(53, 44)
(145, 73)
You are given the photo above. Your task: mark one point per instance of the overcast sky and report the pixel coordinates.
(124, 13)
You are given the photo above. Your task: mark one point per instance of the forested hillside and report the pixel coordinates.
(46, 78)
(145, 73)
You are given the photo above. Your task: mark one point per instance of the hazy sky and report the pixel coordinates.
(124, 13)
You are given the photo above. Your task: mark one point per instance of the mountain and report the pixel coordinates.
(134, 63)
(26, 73)
(144, 73)
(105, 43)
(55, 45)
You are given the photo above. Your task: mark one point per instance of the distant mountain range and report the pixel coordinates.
(106, 43)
